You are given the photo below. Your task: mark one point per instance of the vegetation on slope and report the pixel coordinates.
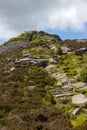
(25, 100)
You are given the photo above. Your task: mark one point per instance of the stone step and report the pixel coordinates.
(64, 95)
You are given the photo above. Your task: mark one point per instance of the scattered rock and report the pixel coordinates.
(53, 48)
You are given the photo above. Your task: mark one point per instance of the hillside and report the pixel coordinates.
(43, 83)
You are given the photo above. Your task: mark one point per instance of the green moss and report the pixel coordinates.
(83, 74)
(71, 64)
(48, 99)
(79, 121)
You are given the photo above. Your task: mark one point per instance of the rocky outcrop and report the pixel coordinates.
(65, 49)
(32, 62)
(13, 46)
(81, 51)
(53, 35)
(24, 40)
(53, 48)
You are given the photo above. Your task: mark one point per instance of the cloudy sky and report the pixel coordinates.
(68, 18)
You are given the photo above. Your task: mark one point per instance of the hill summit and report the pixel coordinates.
(26, 39)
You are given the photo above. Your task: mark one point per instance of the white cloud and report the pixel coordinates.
(20, 15)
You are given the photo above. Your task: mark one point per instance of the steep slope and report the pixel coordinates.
(34, 67)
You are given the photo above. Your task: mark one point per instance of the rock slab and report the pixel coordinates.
(79, 99)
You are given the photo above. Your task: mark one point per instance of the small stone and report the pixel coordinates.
(53, 60)
(12, 69)
(31, 87)
(77, 111)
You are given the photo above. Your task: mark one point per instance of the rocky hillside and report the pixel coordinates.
(43, 83)
(29, 39)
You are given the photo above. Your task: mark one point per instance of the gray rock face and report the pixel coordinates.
(13, 46)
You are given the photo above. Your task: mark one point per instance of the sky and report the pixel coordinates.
(67, 18)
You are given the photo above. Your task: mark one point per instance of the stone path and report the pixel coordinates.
(64, 83)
